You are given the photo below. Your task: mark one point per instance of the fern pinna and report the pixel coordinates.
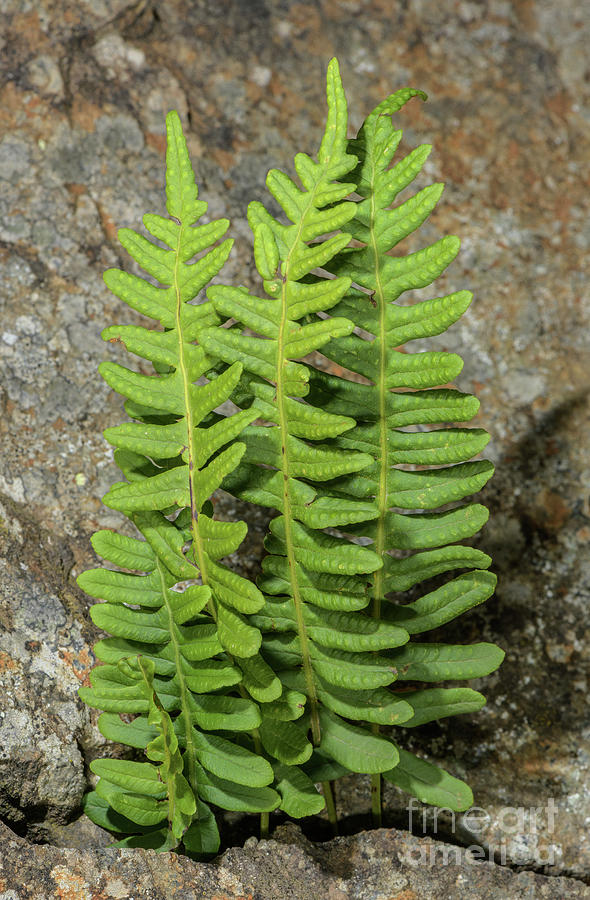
(413, 471)
(315, 634)
(179, 637)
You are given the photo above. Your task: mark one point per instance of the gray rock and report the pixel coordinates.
(81, 154)
(44, 657)
(368, 866)
(14, 158)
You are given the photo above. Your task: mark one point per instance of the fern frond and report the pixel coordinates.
(411, 471)
(315, 579)
(142, 790)
(174, 651)
(244, 697)
(172, 633)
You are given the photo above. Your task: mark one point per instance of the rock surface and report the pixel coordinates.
(45, 729)
(85, 90)
(384, 865)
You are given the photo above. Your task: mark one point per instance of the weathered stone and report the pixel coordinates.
(44, 657)
(380, 865)
(85, 90)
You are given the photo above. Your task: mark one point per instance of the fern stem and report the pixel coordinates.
(264, 816)
(376, 808)
(191, 752)
(382, 504)
(288, 516)
(287, 511)
(383, 447)
(197, 541)
(330, 805)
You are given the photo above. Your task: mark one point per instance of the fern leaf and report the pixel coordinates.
(170, 657)
(443, 662)
(429, 783)
(401, 389)
(355, 748)
(144, 793)
(286, 463)
(438, 703)
(299, 797)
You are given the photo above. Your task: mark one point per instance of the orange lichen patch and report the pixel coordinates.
(405, 895)
(562, 208)
(35, 105)
(69, 886)
(28, 29)
(255, 92)
(7, 662)
(10, 107)
(559, 653)
(513, 152)
(20, 109)
(546, 757)
(308, 25)
(108, 226)
(550, 511)
(541, 765)
(457, 152)
(560, 104)
(72, 16)
(76, 190)
(85, 113)
(224, 159)
(157, 141)
(286, 101)
(80, 663)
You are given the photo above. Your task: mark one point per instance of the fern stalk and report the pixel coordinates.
(190, 749)
(283, 425)
(177, 204)
(382, 492)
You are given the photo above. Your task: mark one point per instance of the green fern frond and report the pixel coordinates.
(174, 651)
(411, 471)
(137, 789)
(241, 697)
(314, 578)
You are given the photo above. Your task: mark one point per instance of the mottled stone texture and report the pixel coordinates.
(384, 865)
(85, 87)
